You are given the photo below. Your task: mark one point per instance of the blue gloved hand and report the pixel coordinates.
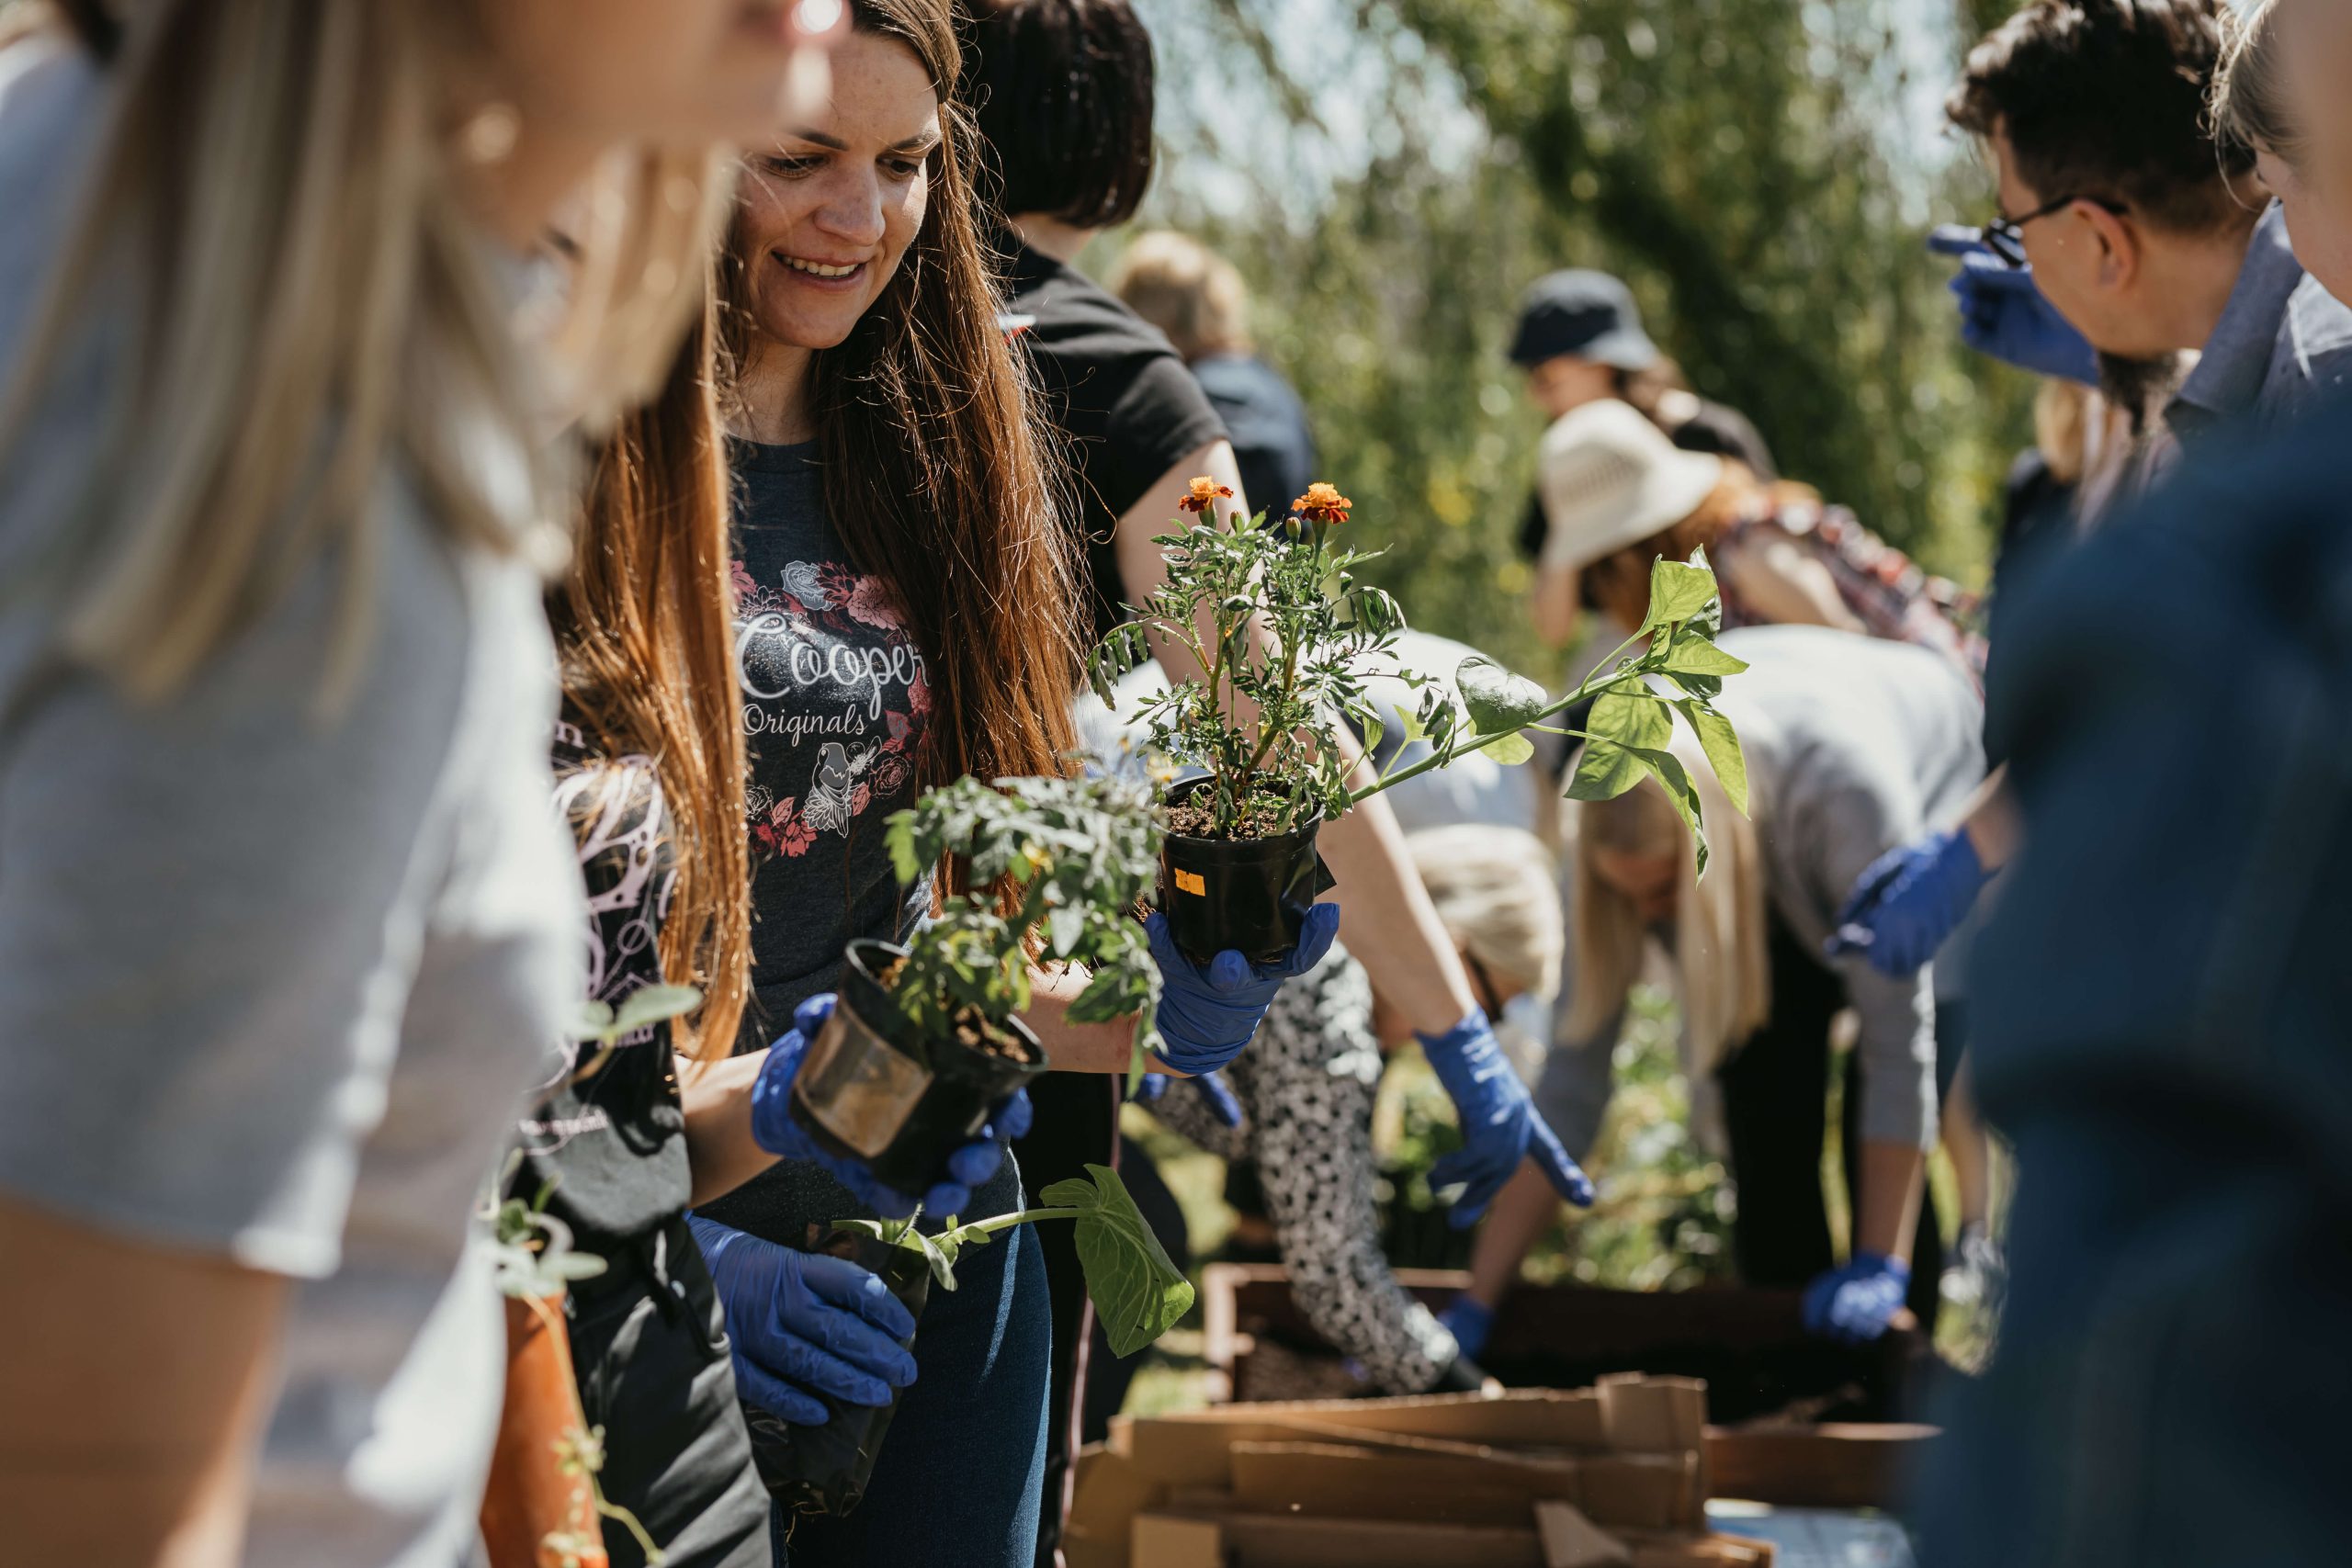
(1909, 900)
(2004, 314)
(1854, 1305)
(1499, 1127)
(805, 1324)
(1207, 1017)
(1470, 1323)
(1208, 1085)
(774, 1130)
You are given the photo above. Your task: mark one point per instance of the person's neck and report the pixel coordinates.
(770, 404)
(2190, 279)
(1051, 236)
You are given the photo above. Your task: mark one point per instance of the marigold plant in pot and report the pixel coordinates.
(1285, 637)
(926, 1041)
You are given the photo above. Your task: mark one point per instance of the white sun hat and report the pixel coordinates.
(1611, 479)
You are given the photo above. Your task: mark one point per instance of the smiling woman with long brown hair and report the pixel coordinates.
(906, 614)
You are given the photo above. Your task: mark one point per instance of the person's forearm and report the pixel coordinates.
(1079, 1047)
(1992, 823)
(720, 1151)
(1522, 1213)
(134, 1384)
(1557, 607)
(1888, 1209)
(1388, 921)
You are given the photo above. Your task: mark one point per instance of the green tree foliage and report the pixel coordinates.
(1739, 162)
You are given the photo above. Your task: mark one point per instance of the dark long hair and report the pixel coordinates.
(644, 625)
(939, 475)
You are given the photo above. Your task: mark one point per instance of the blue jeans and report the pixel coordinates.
(2162, 1002)
(961, 1470)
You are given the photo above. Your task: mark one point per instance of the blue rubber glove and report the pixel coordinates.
(772, 1128)
(1470, 1323)
(1499, 1127)
(805, 1324)
(2004, 315)
(1206, 1018)
(1909, 900)
(1208, 1085)
(1854, 1305)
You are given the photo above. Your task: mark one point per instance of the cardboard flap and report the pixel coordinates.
(1571, 1540)
(1277, 1540)
(1334, 1481)
(1643, 1491)
(1519, 1418)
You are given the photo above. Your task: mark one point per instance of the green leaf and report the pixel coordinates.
(1510, 751)
(1497, 698)
(652, 1004)
(900, 838)
(1138, 1293)
(1721, 743)
(1067, 926)
(1604, 771)
(1678, 592)
(1696, 656)
(595, 1021)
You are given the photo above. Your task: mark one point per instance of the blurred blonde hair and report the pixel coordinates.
(273, 197)
(2249, 88)
(1187, 292)
(2062, 416)
(1494, 889)
(1720, 934)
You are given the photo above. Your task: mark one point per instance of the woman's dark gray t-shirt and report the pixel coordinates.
(836, 699)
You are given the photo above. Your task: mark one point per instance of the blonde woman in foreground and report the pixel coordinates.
(283, 915)
(1853, 744)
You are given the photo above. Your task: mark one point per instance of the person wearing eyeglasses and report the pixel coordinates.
(2146, 230)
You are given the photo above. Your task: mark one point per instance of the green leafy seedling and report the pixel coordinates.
(1138, 1292)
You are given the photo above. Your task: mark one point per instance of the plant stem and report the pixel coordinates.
(1606, 675)
(1006, 1222)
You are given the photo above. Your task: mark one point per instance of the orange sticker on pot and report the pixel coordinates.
(1192, 882)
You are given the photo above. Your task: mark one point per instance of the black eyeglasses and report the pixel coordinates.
(2005, 237)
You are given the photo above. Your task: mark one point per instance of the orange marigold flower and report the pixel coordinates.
(1205, 493)
(1322, 503)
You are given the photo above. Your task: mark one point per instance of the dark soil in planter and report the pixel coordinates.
(878, 1089)
(1246, 893)
(824, 1469)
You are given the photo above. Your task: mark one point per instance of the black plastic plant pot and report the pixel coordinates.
(1243, 894)
(824, 1469)
(875, 1088)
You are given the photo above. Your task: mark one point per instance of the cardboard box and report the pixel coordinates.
(1557, 1539)
(1276, 1483)
(1830, 1466)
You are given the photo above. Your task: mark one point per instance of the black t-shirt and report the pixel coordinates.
(835, 702)
(609, 1130)
(1120, 396)
(1725, 432)
(1272, 440)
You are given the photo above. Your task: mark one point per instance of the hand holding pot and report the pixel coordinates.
(1208, 1016)
(774, 1130)
(1499, 1127)
(805, 1324)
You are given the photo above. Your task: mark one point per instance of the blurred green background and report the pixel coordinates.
(1389, 175)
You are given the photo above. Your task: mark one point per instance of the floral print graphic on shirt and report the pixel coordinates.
(835, 700)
